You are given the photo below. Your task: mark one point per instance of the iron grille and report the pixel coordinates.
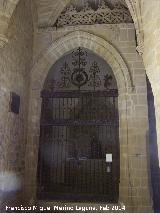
(78, 128)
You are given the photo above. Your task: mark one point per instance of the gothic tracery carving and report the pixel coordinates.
(87, 15)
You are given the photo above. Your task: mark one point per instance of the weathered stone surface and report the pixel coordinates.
(15, 65)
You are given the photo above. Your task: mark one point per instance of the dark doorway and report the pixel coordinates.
(78, 128)
(154, 162)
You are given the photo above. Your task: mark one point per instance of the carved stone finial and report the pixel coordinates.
(140, 42)
(118, 6)
(102, 5)
(86, 7)
(71, 9)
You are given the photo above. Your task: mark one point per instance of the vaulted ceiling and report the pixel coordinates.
(6, 10)
(49, 10)
(81, 3)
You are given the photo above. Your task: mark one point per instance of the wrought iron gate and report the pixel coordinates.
(78, 129)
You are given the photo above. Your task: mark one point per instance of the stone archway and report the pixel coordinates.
(95, 44)
(8, 7)
(125, 86)
(137, 10)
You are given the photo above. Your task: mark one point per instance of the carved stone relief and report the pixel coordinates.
(103, 14)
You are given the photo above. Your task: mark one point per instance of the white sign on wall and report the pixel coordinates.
(109, 158)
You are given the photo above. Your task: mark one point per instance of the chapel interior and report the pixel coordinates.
(80, 105)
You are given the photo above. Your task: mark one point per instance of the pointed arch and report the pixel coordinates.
(89, 41)
(49, 17)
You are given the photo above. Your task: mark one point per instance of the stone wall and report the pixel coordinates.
(151, 56)
(6, 10)
(15, 65)
(15, 61)
(153, 150)
(146, 19)
(131, 79)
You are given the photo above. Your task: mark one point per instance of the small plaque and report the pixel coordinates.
(109, 158)
(14, 103)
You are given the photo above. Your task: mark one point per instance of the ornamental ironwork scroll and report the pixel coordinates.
(78, 126)
(87, 16)
(78, 74)
(107, 81)
(66, 76)
(94, 80)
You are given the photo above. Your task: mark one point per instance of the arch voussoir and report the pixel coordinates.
(89, 41)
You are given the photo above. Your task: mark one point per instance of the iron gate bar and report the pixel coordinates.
(79, 94)
(67, 118)
(67, 122)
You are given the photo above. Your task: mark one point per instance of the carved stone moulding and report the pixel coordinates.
(87, 15)
(140, 43)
